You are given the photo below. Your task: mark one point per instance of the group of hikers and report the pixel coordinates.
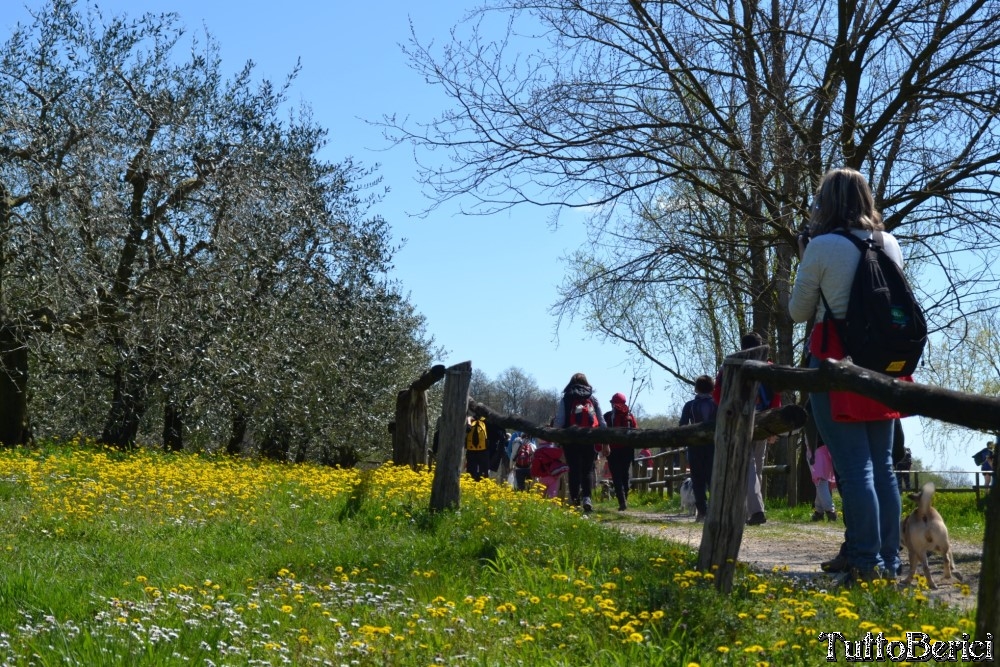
(853, 436)
(532, 458)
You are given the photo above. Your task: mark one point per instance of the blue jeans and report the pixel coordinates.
(700, 460)
(862, 457)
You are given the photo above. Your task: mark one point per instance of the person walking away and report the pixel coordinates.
(984, 458)
(578, 407)
(524, 453)
(496, 443)
(548, 465)
(477, 456)
(766, 400)
(861, 449)
(646, 456)
(702, 408)
(620, 457)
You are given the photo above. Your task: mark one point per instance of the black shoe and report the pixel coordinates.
(621, 507)
(587, 506)
(756, 519)
(817, 516)
(830, 516)
(836, 564)
(699, 517)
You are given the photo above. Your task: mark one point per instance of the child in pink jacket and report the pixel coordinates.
(548, 465)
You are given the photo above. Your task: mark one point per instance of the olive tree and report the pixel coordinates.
(171, 238)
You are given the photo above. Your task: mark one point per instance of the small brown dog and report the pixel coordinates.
(924, 531)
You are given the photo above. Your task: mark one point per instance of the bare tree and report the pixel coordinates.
(695, 133)
(515, 388)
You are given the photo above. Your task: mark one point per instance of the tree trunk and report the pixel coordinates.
(807, 490)
(409, 438)
(276, 445)
(14, 428)
(239, 433)
(451, 442)
(409, 433)
(128, 406)
(173, 427)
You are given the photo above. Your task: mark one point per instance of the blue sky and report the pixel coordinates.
(485, 284)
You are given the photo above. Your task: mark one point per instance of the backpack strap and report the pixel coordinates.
(874, 243)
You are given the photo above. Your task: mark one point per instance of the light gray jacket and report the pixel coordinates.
(828, 264)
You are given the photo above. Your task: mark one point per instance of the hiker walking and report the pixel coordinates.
(620, 457)
(579, 408)
(700, 409)
(524, 453)
(477, 456)
(548, 465)
(861, 449)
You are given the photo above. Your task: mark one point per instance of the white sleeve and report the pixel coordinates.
(805, 292)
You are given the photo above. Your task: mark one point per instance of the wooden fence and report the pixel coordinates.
(736, 426)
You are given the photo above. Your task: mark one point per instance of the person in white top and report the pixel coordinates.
(861, 450)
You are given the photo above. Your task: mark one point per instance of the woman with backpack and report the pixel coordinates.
(578, 407)
(524, 452)
(858, 435)
(620, 457)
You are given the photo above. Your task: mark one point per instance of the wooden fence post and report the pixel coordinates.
(988, 600)
(451, 441)
(726, 516)
(409, 435)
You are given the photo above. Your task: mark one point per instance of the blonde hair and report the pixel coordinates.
(843, 199)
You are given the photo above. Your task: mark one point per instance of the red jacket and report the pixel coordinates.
(548, 461)
(620, 419)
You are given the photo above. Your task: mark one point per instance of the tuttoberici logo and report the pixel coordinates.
(917, 647)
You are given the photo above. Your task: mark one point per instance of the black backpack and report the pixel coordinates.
(885, 329)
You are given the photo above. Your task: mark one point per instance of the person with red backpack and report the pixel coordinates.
(524, 454)
(620, 457)
(579, 408)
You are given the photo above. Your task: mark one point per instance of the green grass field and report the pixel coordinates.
(155, 559)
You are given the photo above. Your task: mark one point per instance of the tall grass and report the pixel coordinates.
(155, 559)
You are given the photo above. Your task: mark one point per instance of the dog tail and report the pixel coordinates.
(926, 496)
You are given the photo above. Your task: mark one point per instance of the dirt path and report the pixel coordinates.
(801, 547)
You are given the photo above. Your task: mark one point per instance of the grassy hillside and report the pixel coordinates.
(154, 559)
